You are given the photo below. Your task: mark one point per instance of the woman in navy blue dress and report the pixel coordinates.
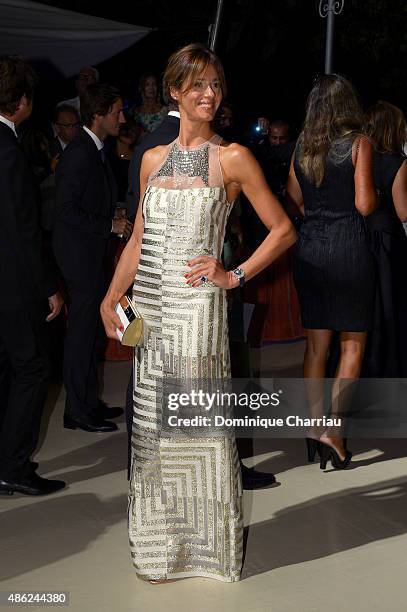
(331, 181)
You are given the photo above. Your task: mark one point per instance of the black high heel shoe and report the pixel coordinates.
(327, 452)
(313, 447)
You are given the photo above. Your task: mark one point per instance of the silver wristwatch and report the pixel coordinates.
(240, 275)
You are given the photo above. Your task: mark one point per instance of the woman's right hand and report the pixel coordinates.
(110, 318)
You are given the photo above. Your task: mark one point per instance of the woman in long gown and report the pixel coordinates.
(185, 499)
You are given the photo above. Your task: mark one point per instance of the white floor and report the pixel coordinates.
(318, 542)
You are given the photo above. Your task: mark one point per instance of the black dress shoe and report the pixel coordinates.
(30, 485)
(252, 479)
(109, 412)
(94, 425)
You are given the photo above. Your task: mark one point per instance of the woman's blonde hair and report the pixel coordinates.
(386, 126)
(333, 115)
(187, 64)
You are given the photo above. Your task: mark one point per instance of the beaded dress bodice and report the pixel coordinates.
(190, 167)
(186, 197)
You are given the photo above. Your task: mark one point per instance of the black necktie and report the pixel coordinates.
(102, 154)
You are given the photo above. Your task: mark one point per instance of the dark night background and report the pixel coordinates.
(271, 49)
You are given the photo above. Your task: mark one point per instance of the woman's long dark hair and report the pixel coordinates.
(333, 113)
(386, 126)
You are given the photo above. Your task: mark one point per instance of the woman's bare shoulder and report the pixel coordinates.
(237, 160)
(361, 141)
(233, 152)
(153, 157)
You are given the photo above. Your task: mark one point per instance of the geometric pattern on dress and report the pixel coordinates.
(185, 497)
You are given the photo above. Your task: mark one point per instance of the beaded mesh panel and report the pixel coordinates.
(189, 167)
(184, 165)
(185, 499)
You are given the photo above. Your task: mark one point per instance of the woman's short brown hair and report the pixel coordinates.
(187, 64)
(386, 125)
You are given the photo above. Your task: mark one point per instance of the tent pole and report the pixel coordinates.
(330, 8)
(215, 27)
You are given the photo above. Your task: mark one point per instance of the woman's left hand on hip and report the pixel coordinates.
(210, 269)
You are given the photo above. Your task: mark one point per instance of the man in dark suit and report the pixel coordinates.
(26, 283)
(65, 124)
(84, 220)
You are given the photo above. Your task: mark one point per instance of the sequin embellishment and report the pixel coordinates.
(185, 500)
(183, 164)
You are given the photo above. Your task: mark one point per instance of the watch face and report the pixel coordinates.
(238, 272)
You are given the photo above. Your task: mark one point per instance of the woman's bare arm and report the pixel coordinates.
(128, 263)
(242, 169)
(294, 199)
(365, 192)
(399, 192)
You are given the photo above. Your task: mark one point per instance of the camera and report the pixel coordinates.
(260, 130)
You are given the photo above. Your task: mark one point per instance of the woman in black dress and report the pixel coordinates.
(386, 350)
(331, 181)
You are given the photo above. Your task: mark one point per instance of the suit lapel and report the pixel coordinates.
(108, 177)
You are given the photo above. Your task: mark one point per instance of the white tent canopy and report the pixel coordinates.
(66, 39)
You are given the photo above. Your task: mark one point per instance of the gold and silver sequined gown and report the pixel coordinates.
(185, 498)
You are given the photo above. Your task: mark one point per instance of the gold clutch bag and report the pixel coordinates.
(132, 321)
